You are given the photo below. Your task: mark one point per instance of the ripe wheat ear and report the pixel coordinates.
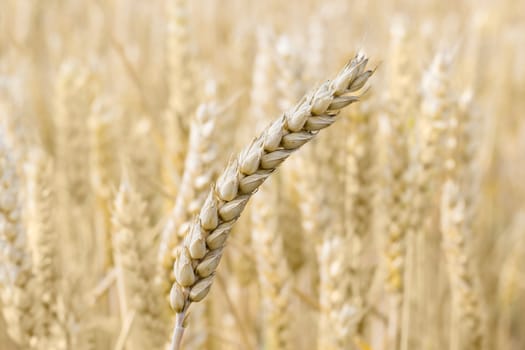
(201, 251)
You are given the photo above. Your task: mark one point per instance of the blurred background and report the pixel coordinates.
(402, 227)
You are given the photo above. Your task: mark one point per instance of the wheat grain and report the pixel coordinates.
(435, 106)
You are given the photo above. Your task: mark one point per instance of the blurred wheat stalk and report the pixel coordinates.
(399, 227)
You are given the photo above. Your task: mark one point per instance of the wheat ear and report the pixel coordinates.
(73, 96)
(16, 282)
(465, 295)
(202, 249)
(402, 108)
(182, 82)
(434, 107)
(182, 68)
(43, 237)
(339, 311)
(135, 268)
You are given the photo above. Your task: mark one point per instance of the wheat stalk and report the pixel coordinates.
(200, 253)
(397, 184)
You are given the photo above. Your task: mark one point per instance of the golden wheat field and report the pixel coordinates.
(153, 195)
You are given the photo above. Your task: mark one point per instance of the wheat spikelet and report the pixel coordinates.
(466, 298)
(16, 277)
(103, 165)
(202, 248)
(43, 237)
(135, 268)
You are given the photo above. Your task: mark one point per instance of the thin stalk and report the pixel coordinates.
(126, 328)
(178, 331)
